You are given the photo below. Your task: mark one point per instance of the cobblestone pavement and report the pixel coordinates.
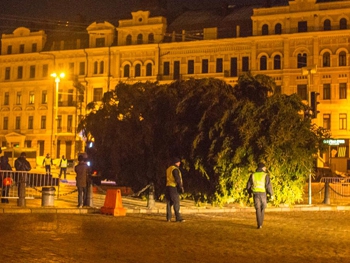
(286, 237)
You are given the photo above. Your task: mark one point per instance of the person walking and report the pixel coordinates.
(259, 185)
(82, 178)
(6, 178)
(174, 186)
(47, 162)
(63, 167)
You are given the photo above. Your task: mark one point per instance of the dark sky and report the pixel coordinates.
(14, 13)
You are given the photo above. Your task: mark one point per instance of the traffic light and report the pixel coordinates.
(313, 104)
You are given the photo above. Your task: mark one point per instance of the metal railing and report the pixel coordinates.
(335, 188)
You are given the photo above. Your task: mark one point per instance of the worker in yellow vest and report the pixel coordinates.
(174, 186)
(259, 185)
(63, 167)
(47, 162)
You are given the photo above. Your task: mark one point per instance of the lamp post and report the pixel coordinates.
(57, 78)
(309, 71)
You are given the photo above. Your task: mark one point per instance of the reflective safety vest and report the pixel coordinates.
(47, 161)
(170, 180)
(259, 182)
(64, 163)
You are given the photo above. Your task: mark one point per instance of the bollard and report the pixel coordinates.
(151, 203)
(48, 196)
(21, 191)
(326, 200)
(89, 193)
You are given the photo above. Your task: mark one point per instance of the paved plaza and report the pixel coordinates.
(317, 237)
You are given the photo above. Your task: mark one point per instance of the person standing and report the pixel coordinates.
(63, 167)
(259, 185)
(6, 178)
(47, 162)
(82, 171)
(174, 186)
(21, 163)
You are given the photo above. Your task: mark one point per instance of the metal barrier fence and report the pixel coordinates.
(16, 184)
(335, 188)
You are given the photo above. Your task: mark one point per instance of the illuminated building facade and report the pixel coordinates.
(278, 41)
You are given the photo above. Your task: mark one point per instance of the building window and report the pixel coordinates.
(126, 71)
(45, 70)
(30, 122)
(69, 123)
(28, 144)
(205, 66)
(9, 50)
(342, 59)
(327, 121)
(31, 97)
(20, 72)
(7, 98)
(21, 48)
(149, 69)
(278, 90)
(302, 60)
(59, 122)
(234, 68)
(326, 59)
(166, 68)
(265, 30)
(278, 29)
(327, 25)
(6, 123)
(44, 97)
(277, 62)
(342, 91)
(129, 40)
(7, 73)
(100, 42)
(95, 67)
(263, 63)
(302, 26)
(138, 70)
(102, 67)
(302, 91)
(177, 73)
(151, 38)
(82, 68)
(342, 121)
(97, 94)
(190, 67)
(70, 97)
(32, 72)
(245, 64)
(18, 123)
(327, 91)
(34, 47)
(71, 68)
(219, 65)
(18, 98)
(43, 122)
(343, 24)
(139, 39)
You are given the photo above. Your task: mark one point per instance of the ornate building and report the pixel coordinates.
(302, 44)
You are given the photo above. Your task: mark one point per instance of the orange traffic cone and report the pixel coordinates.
(113, 203)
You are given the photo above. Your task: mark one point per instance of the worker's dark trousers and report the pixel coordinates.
(260, 203)
(172, 199)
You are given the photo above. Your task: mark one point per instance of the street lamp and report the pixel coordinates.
(309, 71)
(57, 78)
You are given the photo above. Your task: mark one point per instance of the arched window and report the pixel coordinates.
(263, 63)
(342, 59)
(277, 62)
(138, 70)
(278, 29)
(149, 69)
(327, 25)
(151, 38)
(129, 40)
(302, 60)
(102, 67)
(95, 67)
(343, 24)
(139, 39)
(126, 71)
(326, 59)
(265, 30)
